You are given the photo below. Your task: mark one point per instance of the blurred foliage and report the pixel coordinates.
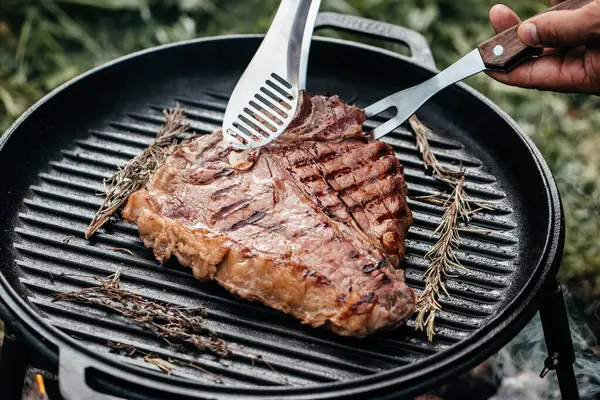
(45, 42)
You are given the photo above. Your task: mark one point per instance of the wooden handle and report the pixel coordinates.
(504, 51)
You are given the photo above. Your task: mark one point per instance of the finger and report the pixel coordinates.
(503, 18)
(562, 28)
(559, 73)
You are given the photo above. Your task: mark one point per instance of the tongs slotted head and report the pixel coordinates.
(266, 97)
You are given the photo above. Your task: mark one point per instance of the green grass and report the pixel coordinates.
(44, 43)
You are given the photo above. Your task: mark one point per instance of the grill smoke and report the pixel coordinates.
(518, 365)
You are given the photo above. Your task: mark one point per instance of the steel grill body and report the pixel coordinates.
(55, 195)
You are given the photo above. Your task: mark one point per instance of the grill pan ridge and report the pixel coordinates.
(59, 195)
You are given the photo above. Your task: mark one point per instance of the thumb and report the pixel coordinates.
(562, 29)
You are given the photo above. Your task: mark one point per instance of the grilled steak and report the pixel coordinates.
(312, 224)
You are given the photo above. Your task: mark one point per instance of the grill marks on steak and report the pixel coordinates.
(312, 224)
(355, 183)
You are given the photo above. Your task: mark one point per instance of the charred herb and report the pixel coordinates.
(167, 366)
(137, 172)
(214, 376)
(161, 364)
(67, 239)
(121, 250)
(123, 349)
(181, 327)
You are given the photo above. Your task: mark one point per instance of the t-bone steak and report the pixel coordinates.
(312, 224)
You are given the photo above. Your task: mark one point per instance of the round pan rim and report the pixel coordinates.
(443, 364)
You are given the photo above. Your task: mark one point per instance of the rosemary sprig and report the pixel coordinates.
(167, 366)
(458, 207)
(422, 134)
(182, 327)
(137, 172)
(179, 327)
(442, 257)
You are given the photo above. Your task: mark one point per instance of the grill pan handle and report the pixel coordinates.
(419, 48)
(72, 369)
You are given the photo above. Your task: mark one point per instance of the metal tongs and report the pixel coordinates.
(501, 53)
(266, 97)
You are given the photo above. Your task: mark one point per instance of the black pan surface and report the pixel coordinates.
(56, 155)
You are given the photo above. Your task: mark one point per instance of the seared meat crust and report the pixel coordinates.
(312, 224)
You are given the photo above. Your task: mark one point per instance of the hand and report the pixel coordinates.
(571, 59)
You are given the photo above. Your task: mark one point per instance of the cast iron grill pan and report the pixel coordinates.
(60, 154)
